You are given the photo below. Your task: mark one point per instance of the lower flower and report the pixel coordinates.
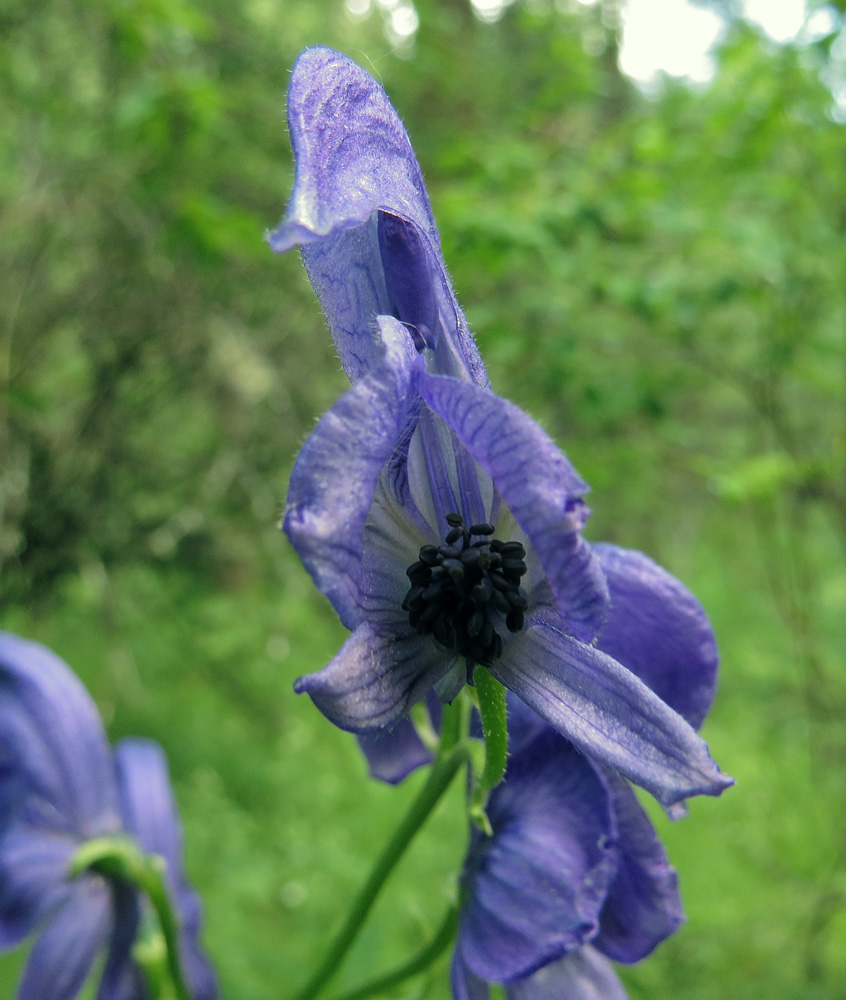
(61, 790)
(573, 874)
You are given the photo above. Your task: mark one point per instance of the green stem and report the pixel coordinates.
(444, 769)
(120, 858)
(156, 888)
(419, 963)
(454, 722)
(491, 696)
(150, 955)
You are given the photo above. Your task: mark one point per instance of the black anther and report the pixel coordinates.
(463, 592)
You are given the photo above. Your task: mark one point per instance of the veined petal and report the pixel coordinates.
(336, 473)
(643, 906)
(536, 887)
(375, 677)
(33, 864)
(581, 975)
(539, 486)
(353, 158)
(63, 955)
(659, 630)
(362, 215)
(52, 742)
(353, 155)
(345, 270)
(523, 724)
(419, 294)
(608, 713)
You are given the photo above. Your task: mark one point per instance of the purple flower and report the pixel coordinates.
(59, 789)
(534, 891)
(574, 873)
(440, 521)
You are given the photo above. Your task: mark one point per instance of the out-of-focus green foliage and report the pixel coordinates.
(659, 281)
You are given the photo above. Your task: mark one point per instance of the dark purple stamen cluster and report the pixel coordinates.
(460, 590)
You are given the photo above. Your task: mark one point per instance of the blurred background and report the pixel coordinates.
(643, 207)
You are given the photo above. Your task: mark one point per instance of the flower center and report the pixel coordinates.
(463, 590)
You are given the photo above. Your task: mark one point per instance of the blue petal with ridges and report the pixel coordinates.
(659, 630)
(375, 677)
(336, 474)
(536, 887)
(608, 713)
(32, 879)
(361, 213)
(150, 815)
(643, 906)
(353, 155)
(63, 955)
(122, 979)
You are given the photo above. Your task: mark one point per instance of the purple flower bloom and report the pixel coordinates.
(59, 789)
(543, 797)
(441, 521)
(534, 891)
(574, 873)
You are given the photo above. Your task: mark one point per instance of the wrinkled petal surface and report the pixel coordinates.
(643, 906)
(581, 975)
(150, 815)
(361, 213)
(64, 953)
(52, 743)
(539, 486)
(33, 864)
(535, 889)
(375, 677)
(659, 630)
(336, 473)
(608, 713)
(353, 155)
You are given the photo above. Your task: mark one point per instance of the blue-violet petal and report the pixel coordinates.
(64, 953)
(536, 887)
(608, 713)
(376, 676)
(52, 741)
(581, 975)
(336, 474)
(659, 630)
